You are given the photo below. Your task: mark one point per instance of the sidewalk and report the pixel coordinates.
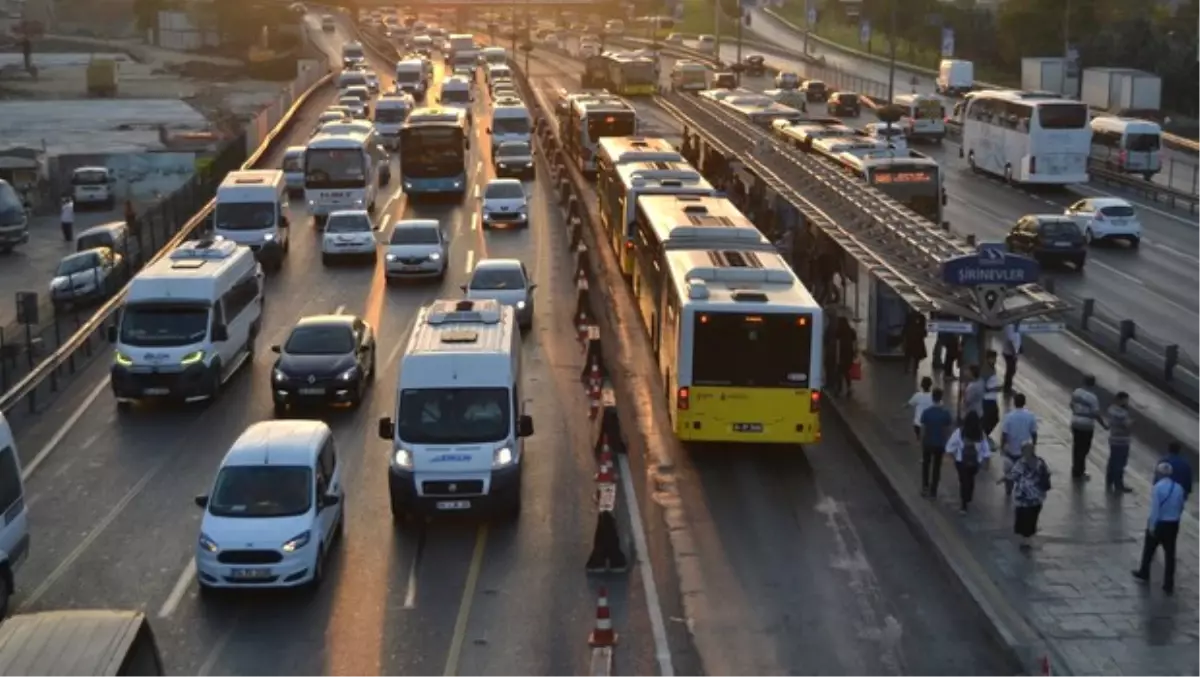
(1072, 599)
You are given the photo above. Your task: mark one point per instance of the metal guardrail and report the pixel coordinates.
(1148, 189)
(82, 339)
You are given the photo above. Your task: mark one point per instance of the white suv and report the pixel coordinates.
(275, 509)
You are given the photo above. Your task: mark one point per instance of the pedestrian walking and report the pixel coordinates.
(920, 401)
(67, 217)
(1181, 470)
(847, 349)
(991, 395)
(1018, 429)
(912, 338)
(972, 394)
(1162, 528)
(1120, 423)
(936, 422)
(1011, 352)
(833, 381)
(952, 355)
(970, 450)
(1030, 477)
(968, 352)
(1085, 414)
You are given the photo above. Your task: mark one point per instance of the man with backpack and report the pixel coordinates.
(970, 450)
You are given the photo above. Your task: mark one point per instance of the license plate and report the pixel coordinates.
(410, 266)
(747, 427)
(250, 574)
(453, 505)
(1062, 243)
(156, 391)
(312, 391)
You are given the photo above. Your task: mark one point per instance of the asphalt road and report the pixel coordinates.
(114, 525)
(1154, 286)
(807, 566)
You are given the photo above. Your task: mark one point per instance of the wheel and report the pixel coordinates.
(1149, 176)
(339, 532)
(1135, 242)
(1088, 237)
(512, 511)
(1079, 264)
(123, 406)
(371, 368)
(318, 568)
(1008, 174)
(326, 260)
(971, 162)
(207, 592)
(281, 410)
(6, 591)
(371, 208)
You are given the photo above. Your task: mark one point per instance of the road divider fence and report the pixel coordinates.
(59, 349)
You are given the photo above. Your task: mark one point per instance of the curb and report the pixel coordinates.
(1026, 645)
(602, 662)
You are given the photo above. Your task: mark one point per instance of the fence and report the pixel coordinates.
(35, 356)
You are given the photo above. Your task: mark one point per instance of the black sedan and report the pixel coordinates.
(844, 104)
(326, 360)
(1049, 238)
(513, 158)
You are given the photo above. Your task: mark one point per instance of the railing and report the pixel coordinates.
(159, 232)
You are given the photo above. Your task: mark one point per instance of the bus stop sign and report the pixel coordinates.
(991, 265)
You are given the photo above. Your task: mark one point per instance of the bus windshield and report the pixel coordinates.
(428, 151)
(390, 115)
(752, 351)
(335, 168)
(611, 124)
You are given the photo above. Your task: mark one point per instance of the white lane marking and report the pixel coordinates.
(477, 191)
(658, 627)
(479, 166)
(210, 661)
(340, 309)
(401, 341)
(92, 535)
(180, 589)
(1170, 250)
(387, 206)
(66, 428)
(470, 260)
(1139, 204)
(1120, 273)
(410, 593)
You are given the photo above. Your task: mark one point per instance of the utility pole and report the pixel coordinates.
(892, 55)
(717, 29)
(741, 22)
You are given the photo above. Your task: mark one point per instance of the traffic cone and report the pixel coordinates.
(607, 473)
(593, 404)
(603, 635)
(594, 379)
(581, 328)
(1044, 663)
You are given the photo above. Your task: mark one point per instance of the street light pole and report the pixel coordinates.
(892, 55)
(717, 29)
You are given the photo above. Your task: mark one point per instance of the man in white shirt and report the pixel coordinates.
(1011, 352)
(1085, 413)
(68, 219)
(1019, 426)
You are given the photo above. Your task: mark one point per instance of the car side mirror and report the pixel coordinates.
(525, 426)
(329, 500)
(277, 349)
(220, 333)
(285, 222)
(112, 334)
(533, 286)
(201, 501)
(489, 131)
(463, 287)
(387, 428)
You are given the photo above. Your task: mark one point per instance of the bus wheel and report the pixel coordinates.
(1008, 174)
(971, 162)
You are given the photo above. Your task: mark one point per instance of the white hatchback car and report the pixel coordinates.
(275, 509)
(1106, 219)
(504, 203)
(353, 104)
(417, 248)
(506, 281)
(348, 232)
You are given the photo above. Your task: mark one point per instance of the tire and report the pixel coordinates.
(512, 511)
(971, 162)
(371, 373)
(1008, 174)
(1088, 237)
(6, 592)
(1135, 243)
(318, 569)
(207, 592)
(214, 381)
(326, 260)
(281, 410)
(399, 514)
(124, 406)
(1079, 262)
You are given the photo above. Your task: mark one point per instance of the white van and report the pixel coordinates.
(494, 56)
(93, 186)
(458, 433)
(391, 110)
(14, 531)
(189, 321)
(456, 93)
(511, 122)
(412, 77)
(251, 209)
(924, 116)
(293, 169)
(706, 44)
(1127, 145)
(955, 77)
(348, 79)
(689, 76)
(498, 72)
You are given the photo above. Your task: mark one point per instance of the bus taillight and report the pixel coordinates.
(814, 402)
(682, 400)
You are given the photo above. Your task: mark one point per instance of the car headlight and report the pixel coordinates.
(296, 542)
(520, 305)
(502, 457)
(503, 166)
(402, 458)
(207, 543)
(348, 374)
(358, 202)
(123, 359)
(192, 357)
(435, 256)
(268, 237)
(390, 257)
(312, 202)
(278, 375)
(457, 184)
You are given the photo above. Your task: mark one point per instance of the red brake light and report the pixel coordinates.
(814, 402)
(682, 399)
(1099, 216)
(629, 244)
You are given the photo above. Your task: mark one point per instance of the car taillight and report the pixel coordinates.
(1121, 157)
(682, 400)
(814, 402)
(629, 244)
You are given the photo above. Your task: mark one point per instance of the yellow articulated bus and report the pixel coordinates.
(620, 192)
(739, 349)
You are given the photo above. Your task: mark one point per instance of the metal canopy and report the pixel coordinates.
(903, 249)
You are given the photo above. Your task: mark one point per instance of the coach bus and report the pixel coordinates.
(434, 144)
(619, 191)
(908, 177)
(1026, 137)
(739, 348)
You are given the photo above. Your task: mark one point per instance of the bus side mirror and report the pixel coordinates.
(112, 334)
(220, 333)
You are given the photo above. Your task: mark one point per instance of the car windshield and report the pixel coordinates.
(262, 491)
(456, 96)
(147, 325)
(513, 150)
(350, 101)
(348, 223)
(1060, 229)
(407, 77)
(89, 177)
(453, 415)
(293, 163)
(414, 235)
(510, 125)
(320, 339)
(390, 115)
(504, 191)
(493, 279)
(101, 238)
(1118, 211)
(244, 215)
(78, 263)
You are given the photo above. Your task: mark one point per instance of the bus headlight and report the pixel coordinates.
(402, 458)
(502, 458)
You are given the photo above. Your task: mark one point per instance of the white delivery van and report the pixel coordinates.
(955, 77)
(14, 530)
(459, 428)
(456, 93)
(353, 55)
(348, 79)
(251, 209)
(93, 186)
(189, 321)
(412, 77)
(511, 122)
(924, 116)
(293, 169)
(494, 56)
(391, 110)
